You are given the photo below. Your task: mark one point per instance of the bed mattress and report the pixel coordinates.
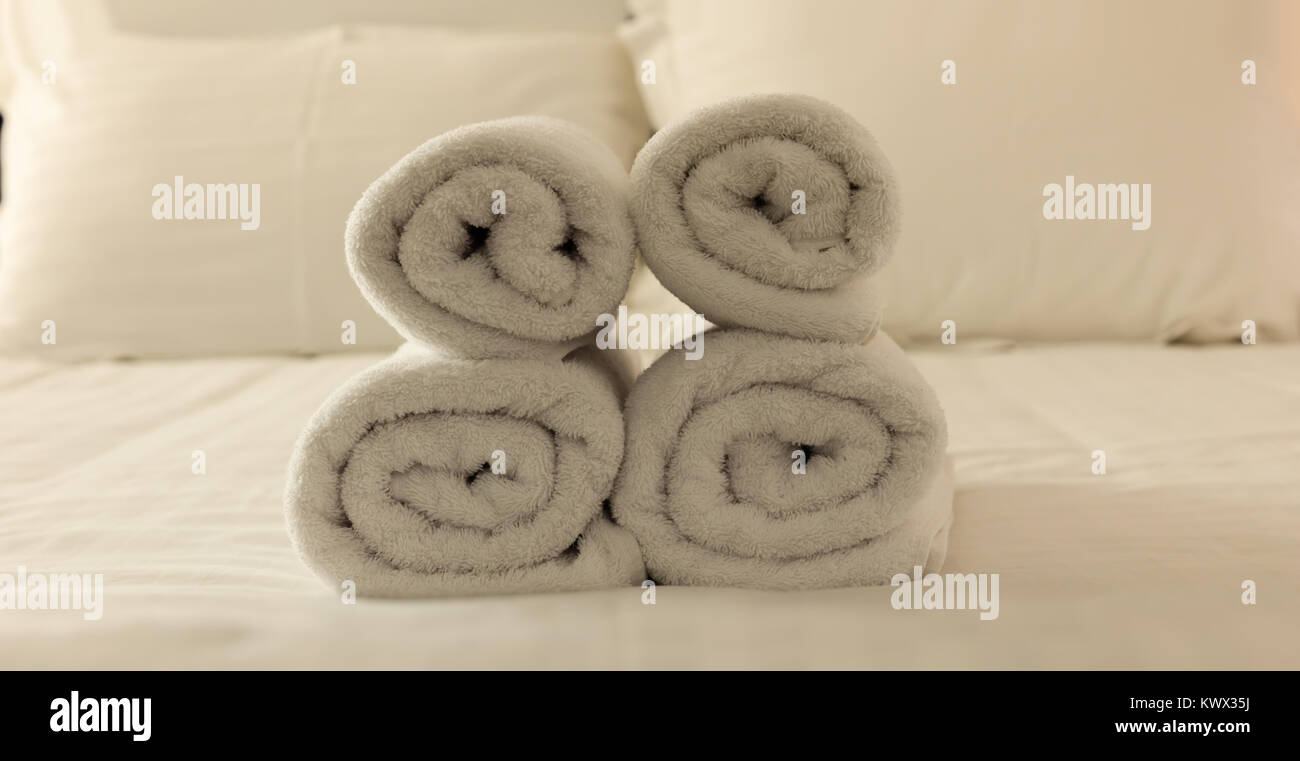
(1141, 566)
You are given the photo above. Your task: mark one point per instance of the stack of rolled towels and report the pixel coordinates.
(499, 451)
(478, 459)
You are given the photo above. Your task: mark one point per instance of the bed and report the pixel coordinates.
(1139, 567)
(1080, 343)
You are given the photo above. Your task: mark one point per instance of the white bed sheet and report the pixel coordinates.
(1138, 568)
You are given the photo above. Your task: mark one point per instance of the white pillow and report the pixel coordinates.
(1106, 91)
(83, 157)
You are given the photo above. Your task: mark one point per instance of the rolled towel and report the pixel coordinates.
(392, 484)
(707, 484)
(714, 200)
(503, 238)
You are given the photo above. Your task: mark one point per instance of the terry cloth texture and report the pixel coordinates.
(392, 485)
(504, 238)
(707, 484)
(716, 201)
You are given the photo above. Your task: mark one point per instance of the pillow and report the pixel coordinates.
(201, 18)
(1096, 93)
(271, 144)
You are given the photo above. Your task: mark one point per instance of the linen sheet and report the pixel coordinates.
(1141, 567)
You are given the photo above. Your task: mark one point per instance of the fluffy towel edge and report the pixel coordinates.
(919, 538)
(558, 153)
(606, 555)
(849, 312)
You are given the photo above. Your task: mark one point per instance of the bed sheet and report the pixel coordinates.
(1139, 567)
